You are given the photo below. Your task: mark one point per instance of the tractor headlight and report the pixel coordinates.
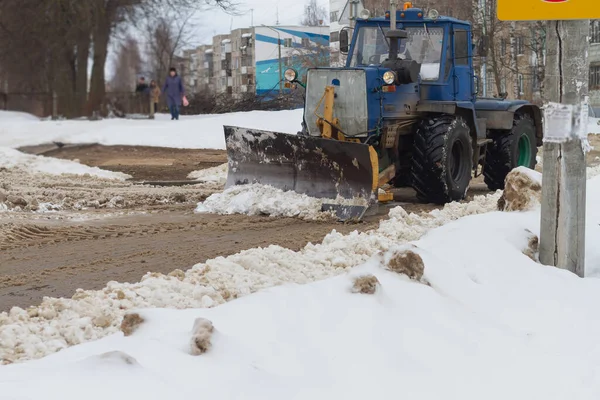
(290, 75)
(389, 77)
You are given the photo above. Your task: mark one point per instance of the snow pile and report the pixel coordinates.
(10, 158)
(523, 190)
(257, 199)
(199, 131)
(26, 190)
(89, 315)
(490, 324)
(214, 174)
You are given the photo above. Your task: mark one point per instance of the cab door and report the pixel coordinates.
(462, 74)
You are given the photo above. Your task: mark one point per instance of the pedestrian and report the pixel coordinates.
(155, 93)
(173, 90)
(142, 86)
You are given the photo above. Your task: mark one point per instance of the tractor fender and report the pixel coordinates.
(535, 113)
(464, 109)
(467, 111)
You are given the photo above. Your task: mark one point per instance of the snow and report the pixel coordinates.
(246, 35)
(59, 323)
(532, 174)
(10, 158)
(201, 131)
(486, 321)
(214, 174)
(257, 199)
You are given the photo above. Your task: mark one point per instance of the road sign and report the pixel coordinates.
(544, 10)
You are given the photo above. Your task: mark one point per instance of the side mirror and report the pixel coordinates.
(344, 41)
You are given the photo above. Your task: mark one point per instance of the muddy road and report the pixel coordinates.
(55, 257)
(146, 229)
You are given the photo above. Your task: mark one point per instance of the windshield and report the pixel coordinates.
(423, 45)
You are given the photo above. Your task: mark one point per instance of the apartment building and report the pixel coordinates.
(246, 61)
(242, 60)
(222, 76)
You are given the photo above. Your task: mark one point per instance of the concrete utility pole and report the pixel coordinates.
(562, 238)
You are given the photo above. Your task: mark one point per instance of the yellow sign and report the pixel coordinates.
(545, 10)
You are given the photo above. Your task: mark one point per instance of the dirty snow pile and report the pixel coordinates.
(257, 199)
(214, 174)
(89, 315)
(484, 321)
(191, 132)
(10, 158)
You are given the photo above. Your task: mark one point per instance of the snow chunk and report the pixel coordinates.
(201, 336)
(257, 199)
(523, 190)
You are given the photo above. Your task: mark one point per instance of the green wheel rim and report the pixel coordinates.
(524, 151)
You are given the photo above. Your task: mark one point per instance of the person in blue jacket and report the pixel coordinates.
(173, 90)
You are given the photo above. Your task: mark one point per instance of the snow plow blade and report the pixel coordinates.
(317, 167)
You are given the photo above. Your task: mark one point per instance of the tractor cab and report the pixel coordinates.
(441, 46)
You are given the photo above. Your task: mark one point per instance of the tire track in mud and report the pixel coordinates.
(56, 257)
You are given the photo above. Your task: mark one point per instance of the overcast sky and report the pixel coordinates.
(214, 22)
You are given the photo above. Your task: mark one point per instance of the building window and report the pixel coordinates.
(287, 42)
(305, 42)
(595, 31)
(595, 77)
(519, 45)
(521, 85)
(333, 16)
(503, 47)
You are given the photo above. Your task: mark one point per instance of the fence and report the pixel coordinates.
(39, 104)
(51, 105)
(138, 105)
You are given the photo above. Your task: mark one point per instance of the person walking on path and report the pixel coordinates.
(142, 86)
(173, 90)
(155, 93)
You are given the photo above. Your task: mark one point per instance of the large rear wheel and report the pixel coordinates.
(516, 148)
(442, 159)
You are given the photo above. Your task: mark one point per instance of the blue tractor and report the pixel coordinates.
(403, 111)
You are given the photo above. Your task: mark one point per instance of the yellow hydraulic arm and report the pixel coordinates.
(330, 129)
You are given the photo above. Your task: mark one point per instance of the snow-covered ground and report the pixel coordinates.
(201, 131)
(10, 158)
(485, 321)
(90, 315)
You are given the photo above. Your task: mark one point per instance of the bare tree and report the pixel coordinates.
(167, 36)
(314, 14)
(128, 64)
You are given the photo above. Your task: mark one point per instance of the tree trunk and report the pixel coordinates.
(81, 82)
(514, 64)
(101, 37)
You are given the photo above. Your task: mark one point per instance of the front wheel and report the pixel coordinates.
(442, 159)
(516, 148)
